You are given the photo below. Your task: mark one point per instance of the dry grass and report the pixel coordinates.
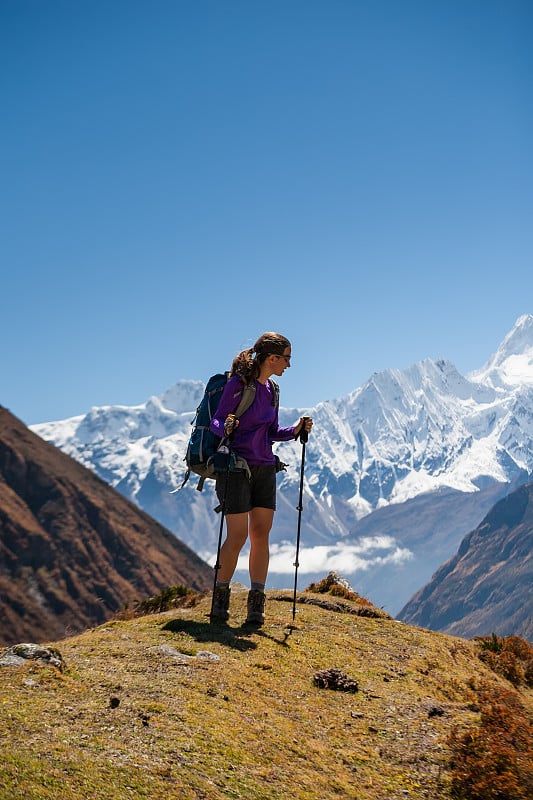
(234, 713)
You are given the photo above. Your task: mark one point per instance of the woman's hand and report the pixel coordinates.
(230, 423)
(304, 422)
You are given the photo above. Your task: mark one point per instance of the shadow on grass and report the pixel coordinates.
(262, 633)
(237, 638)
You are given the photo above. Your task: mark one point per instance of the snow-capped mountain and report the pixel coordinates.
(409, 435)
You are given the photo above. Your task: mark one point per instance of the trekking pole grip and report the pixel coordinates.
(304, 434)
(230, 423)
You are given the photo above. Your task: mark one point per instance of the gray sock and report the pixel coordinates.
(257, 587)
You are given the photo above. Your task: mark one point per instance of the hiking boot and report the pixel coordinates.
(256, 607)
(220, 605)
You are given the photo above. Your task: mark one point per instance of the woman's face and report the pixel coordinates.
(282, 362)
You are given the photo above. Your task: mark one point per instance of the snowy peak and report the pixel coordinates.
(183, 396)
(402, 433)
(512, 363)
(159, 417)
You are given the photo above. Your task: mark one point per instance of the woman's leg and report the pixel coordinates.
(260, 524)
(236, 535)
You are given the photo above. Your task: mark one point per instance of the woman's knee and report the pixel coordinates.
(260, 533)
(261, 520)
(236, 529)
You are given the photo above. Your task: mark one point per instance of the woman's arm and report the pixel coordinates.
(229, 402)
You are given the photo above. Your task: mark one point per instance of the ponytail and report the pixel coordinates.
(248, 362)
(244, 365)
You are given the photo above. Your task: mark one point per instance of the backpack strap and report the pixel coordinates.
(275, 392)
(247, 398)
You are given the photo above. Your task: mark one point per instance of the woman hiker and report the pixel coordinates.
(250, 500)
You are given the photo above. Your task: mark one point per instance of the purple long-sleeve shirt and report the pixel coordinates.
(258, 426)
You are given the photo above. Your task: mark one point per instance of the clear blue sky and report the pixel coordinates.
(178, 177)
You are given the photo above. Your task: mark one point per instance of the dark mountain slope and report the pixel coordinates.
(488, 586)
(432, 527)
(73, 550)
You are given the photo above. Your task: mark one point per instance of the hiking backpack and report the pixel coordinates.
(203, 444)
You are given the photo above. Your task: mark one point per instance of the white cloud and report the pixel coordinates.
(340, 557)
(369, 551)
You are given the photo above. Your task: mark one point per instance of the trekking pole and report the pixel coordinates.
(227, 450)
(219, 545)
(303, 436)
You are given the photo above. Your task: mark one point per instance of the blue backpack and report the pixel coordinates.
(203, 444)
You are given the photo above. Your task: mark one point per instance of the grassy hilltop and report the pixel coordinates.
(167, 706)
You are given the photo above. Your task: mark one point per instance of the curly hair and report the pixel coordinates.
(248, 362)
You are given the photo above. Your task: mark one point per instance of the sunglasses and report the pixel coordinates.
(287, 358)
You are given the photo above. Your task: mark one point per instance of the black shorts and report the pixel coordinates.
(245, 493)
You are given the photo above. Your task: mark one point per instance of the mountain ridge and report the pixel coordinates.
(487, 585)
(403, 434)
(73, 551)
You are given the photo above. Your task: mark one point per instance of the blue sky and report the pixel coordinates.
(178, 177)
